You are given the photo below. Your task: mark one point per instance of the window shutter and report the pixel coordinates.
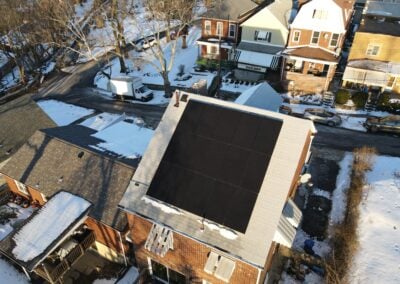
(269, 37)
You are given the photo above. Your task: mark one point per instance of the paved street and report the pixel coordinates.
(76, 88)
(347, 140)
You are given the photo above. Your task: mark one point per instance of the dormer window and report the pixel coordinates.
(315, 37)
(320, 14)
(262, 36)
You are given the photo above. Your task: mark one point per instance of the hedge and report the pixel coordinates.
(342, 97)
(360, 99)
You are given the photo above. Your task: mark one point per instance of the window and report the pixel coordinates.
(207, 27)
(262, 36)
(296, 36)
(373, 49)
(232, 30)
(390, 81)
(22, 187)
(165, 274)
(220, 29)
(320, 14)
(315, 37)
(334, 40)
(212, 49)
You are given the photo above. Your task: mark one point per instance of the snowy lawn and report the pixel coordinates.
(62, 113)
(140, 66)
(130, 277)
(124, 138)
(9, 275)
(378, 257)
(22, 214)
(102, 121)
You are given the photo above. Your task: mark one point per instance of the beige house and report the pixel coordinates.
(374, 62)
(263, 37)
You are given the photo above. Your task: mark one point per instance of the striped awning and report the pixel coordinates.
(258, 59)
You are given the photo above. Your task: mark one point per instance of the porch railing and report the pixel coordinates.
(53, 275)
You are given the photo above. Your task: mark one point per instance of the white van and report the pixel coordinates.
(126, 87)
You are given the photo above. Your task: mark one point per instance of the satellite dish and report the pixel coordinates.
(305, 178)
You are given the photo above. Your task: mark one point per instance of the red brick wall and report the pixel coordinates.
(214, 28)
(305, 39)
(188, 257)
(106, 235)
(34, 194)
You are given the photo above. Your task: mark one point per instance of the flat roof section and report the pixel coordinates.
(208, 140)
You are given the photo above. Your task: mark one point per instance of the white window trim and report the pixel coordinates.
(312, 36)
(221, 24)
(234, 30)
(22, 187)
(210, 47)
(373, 45)
(207, 23)
(337, 41)
(293, 38)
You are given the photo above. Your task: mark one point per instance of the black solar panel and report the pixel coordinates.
(215, 163)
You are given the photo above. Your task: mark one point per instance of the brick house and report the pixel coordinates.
(221, 22)
(263, 40)
(210, 200)
(374, 63)
(55, 160)
(314, 46)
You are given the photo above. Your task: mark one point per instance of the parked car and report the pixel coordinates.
(390, 123)
(285, 109)
(323, 116)
(145, 43)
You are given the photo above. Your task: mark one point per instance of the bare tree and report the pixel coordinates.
(163, 17)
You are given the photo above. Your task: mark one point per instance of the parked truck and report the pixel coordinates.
(127, 87)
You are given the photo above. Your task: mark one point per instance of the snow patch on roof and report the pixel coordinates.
(62, 113)
(126, 139)
(51, 221)
(165, 208)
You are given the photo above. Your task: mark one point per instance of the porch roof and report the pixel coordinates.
(376, 65)
(48, 227)
(315, 53)
(261, 48)
(367, 77)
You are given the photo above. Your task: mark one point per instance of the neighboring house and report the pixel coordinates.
(207, 202)
(316, 38)
(261, 96)
(220, 28)
(264, 36)
(374, 59)
(19, 119)
(55, 160)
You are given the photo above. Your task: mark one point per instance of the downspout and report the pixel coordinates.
(258, 275)
(26, 273)
(123, 248)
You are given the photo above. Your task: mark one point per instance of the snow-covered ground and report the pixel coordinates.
(62, 113)
(378, 257)
(9, 80)
(22, 214)
(142, 65)
(9, 275)
(81, 10)
(3, 59)
(130, 277)
(351, 119)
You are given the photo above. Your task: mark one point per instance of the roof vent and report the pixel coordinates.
(80, 155)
